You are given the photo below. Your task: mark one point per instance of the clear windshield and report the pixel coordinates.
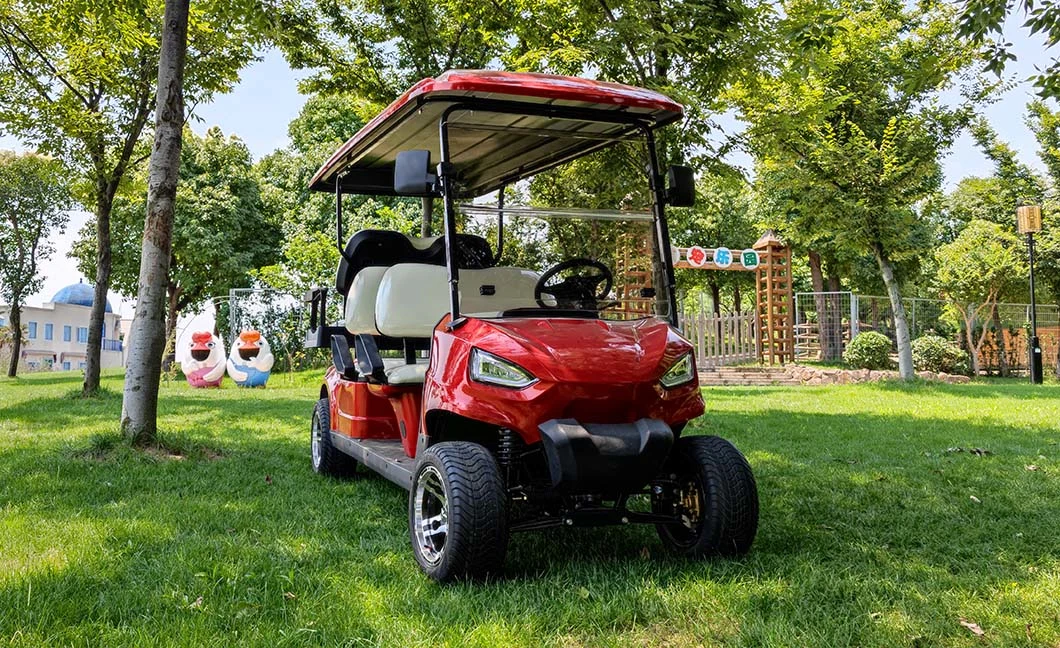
(566, 261)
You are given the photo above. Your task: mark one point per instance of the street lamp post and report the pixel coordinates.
(1029, 220)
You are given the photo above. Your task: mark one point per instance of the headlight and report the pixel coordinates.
(679, 373)
(488, 368)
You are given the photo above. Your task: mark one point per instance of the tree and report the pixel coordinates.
(8, 341)
(846, 111)
(139, 404)
(34, 199)
(76, 81)
(975, 199)
(220, 232)
(975, 272)
(306, 218)
(983, 21)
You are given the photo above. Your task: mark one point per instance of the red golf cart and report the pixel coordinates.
(502, 398)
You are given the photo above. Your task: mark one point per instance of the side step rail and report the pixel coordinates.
(387, 458)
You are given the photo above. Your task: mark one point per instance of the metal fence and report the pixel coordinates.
(280, 317)
(825, 323)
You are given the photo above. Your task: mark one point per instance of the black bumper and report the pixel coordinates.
(600, 458)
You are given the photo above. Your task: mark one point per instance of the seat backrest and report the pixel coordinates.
(360, 301)
(413, 297)
(375, 248)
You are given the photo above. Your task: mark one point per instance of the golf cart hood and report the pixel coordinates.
(592, 371)
(586, 350)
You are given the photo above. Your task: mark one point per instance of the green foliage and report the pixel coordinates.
(78, 76)
(34, 197)
(974, 199)
(983, 265)
(309, 253)
(847, 127)
(686, 49)
(933, 353)
(868, 350)
(983, 21)
(847, 120)
(1018, 184)
(220, 230)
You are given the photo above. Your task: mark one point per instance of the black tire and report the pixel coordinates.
(716, 479)
(325, 457)
(472, 507)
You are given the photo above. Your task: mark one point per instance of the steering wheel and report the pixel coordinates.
(578, 290)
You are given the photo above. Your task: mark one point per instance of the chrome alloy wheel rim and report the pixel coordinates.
(430, 515)
(317, 438)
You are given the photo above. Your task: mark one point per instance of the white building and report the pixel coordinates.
(57, 332)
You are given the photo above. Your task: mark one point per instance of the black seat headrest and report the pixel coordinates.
(371, 248)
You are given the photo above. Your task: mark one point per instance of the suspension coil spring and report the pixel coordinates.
(505, 447)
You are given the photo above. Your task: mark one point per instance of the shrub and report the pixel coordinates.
(868, 350)
(933, 353)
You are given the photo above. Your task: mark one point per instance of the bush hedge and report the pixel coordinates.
(934, 353)
(868, 350)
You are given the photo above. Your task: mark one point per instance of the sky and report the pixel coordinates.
(267, 99)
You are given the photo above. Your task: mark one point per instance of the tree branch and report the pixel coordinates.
(20, 66)
(629, 48)
(44, 59)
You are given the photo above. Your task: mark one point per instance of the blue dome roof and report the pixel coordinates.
(78, 294)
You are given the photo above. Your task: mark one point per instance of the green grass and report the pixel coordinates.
(869, 534)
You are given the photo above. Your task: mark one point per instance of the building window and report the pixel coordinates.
(49, 331)
(80, 365)
(82, 334)
(66, 364)
(32, 334)
(66, 333)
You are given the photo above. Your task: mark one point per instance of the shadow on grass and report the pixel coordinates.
(855, 509)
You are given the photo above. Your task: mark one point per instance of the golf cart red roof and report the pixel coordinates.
(493, 143)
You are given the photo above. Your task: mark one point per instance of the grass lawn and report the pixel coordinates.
(874, 531)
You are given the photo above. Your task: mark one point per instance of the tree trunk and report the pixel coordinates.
(969, 334)
(1056, 369)
(817, 279)
(172, 311)
(104, 205)
(143, 372)
(999, 341)
(901, 326)
(16, 335)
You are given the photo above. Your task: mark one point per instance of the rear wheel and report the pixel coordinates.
(327, 459)
(715, 496)
(458, 513)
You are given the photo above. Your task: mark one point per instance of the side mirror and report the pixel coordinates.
(680, 186)
(412, 173)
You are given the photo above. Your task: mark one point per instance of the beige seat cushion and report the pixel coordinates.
(407, 374)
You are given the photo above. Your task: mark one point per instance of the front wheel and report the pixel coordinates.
(458, 513)
(715, 497)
